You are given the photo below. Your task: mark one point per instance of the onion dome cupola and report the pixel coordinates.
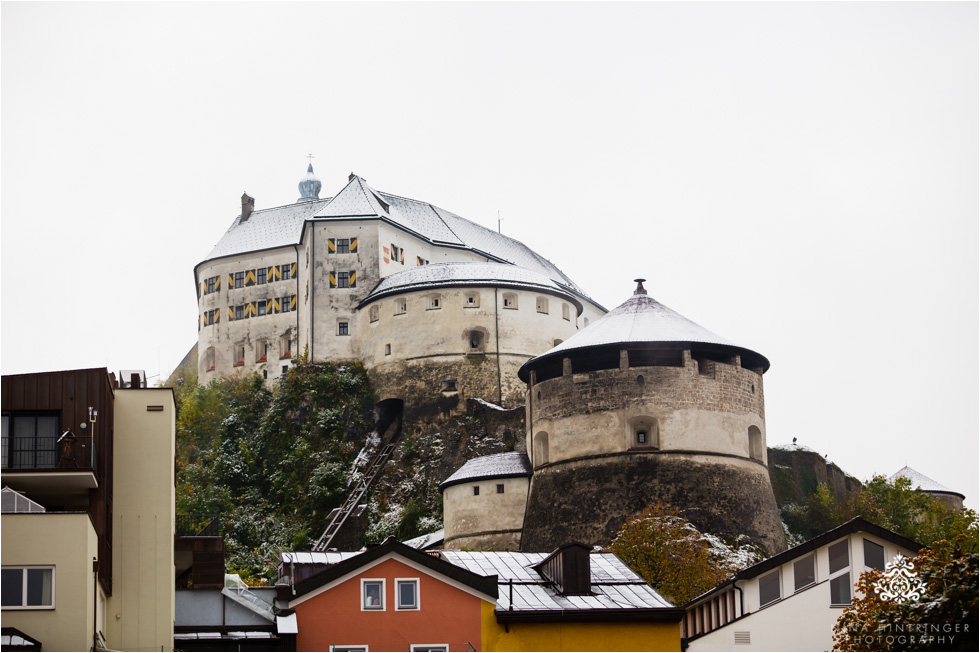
(309, 186)
(650, 333)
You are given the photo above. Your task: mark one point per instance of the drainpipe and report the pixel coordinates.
(95, 604)
(496, 322)
(311, 335)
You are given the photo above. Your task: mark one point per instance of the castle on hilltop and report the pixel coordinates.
(433, 305)
(623, 409)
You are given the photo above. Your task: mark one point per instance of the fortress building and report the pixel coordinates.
(435, 306)
(643, 406)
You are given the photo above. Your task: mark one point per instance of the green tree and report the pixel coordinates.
(668, 552)
(942, 618)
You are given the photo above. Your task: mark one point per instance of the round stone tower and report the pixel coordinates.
(645, 406)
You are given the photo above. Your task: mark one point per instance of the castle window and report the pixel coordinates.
(239, 352)
(375, 313)
(565, 312)
(262, 351)
(285, 271)
(541, 305)
(401, 307)
(472, 300)
(240, 279)
(285, 347)
(500, 488)
(541, 449)
(644, 432)
(585, 321)
(388, 349)
(210, 285)
(262, 307)
(510, 300)
(434, 302)
(209, 359)
(755, 443)
(342, 279)
(769, 588)
(343, 329)
(343, 246)
(240, 312)
(556, 342)
(476, 340)
(476, 490)
(286, 303)
(260, 275)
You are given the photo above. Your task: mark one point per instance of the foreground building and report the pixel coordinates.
(791, 602)
(88, 510)
(396, 598)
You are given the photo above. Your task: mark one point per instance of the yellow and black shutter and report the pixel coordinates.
(249, 277)
(332, 245)
(353, 278)
(353, 245)
(293, 271)
(333, 279)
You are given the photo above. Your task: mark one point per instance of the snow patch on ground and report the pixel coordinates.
(488, 404)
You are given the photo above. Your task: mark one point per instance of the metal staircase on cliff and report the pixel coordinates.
(339, 515)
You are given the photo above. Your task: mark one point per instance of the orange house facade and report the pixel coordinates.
(392, 598)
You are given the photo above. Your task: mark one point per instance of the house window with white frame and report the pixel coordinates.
(434, 648)
(27, 588)
(343, 328)
(407, 594)
(351, 648)
(804, 572)
(769, 588)
(840, 573)
(373, 594)
(874, 555)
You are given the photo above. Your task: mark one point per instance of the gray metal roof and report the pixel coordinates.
(639, 320)
(283, 226)
(614, 585)
(500, 465)
(441, 275)
(266, 229)
(922, 482)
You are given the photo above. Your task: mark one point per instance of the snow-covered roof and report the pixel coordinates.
(315, 557)
(613, 585)
(500, 465)
(922, 482)
(427, 541)
(266, 229)
(282, 226)
(442, 275)
(641, 320)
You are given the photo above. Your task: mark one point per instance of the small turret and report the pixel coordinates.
(309, 186)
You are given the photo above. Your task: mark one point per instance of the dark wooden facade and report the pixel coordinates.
(69, 395)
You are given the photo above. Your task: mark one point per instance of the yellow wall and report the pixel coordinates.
(69, 543)
(610, 636)
(140, 612)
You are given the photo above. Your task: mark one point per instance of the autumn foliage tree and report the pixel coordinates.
(668, 552)
(942, 618)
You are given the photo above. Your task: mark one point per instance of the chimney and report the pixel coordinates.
(568, 567)
(248, 205)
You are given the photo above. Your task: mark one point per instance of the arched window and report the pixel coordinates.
(375, 313)
(476, 340)
(510, 300)
(209, 359)
(566, 313)
(540, 449)
(755, 443)
(541, 304)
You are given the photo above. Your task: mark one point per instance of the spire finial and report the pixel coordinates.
(309, 186)
(640, 290)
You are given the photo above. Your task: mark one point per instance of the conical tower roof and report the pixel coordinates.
(641, 322)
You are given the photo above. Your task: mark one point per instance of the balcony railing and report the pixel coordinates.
(42, 453)
(198, 525)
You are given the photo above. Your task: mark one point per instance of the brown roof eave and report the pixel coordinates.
(609, 615)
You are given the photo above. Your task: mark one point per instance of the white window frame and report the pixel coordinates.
(364, 582)
(427, 647)
(398, 597)
(434, 303)
(349, 647)
(23, 596)
(845, 570)
(812, 557)
(512, 298)
(779, 587)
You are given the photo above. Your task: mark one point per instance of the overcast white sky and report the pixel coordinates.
(801, 179)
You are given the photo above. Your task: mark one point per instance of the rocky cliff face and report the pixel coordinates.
(796, 472)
